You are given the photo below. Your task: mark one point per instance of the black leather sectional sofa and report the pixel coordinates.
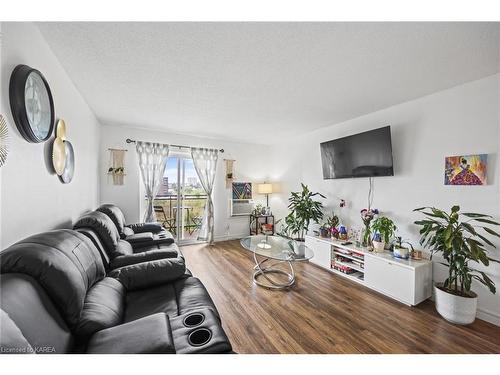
(90, 290)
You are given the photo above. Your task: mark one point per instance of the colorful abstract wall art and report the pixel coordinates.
(465, 170)
(242, 190)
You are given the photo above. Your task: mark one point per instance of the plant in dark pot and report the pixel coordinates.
(385, 227)
(329, 228)
(324, 230)
(460, 238)
(303, 209)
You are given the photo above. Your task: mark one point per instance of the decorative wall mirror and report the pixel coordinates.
(31, 104)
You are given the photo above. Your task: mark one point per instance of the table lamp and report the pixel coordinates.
(266, 189)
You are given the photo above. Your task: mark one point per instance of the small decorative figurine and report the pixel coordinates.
(343, 233)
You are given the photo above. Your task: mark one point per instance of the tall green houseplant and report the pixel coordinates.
(304, 209)
(460, 238)
(459, 242)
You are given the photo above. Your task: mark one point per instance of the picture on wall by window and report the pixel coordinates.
(465, 170)
(242, 190)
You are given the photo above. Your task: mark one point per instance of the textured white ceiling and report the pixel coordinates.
(257, 82)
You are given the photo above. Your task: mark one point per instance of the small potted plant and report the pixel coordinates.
(329, 228)
(258, 209)
(402, 252)
(460, 238)
(385, 227)
(117, 174)
(304, 209)
(378, 243)
(324, 230)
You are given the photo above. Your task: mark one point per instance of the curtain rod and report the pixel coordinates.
(128, 140)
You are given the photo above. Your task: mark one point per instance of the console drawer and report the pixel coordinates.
(322, 252)
(390, 278)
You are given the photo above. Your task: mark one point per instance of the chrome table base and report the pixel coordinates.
(263, 272)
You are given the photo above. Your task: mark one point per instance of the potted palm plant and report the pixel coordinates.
(385, 227)
(460, 238)
(303, 210)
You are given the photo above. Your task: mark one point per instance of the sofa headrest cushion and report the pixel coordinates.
(103, 226)
(64, 262)
(115, 214)
(123, 248)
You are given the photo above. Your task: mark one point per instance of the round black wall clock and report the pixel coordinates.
(31, 104)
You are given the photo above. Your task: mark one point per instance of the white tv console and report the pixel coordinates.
(408, 281)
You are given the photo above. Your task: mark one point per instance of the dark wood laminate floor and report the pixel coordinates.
(323, 313)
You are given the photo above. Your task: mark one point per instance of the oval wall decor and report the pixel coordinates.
(69, 168)
(59, 156)
(61, 129)
(31, 104)
(4, 140)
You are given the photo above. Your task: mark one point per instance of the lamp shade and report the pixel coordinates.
(265, 188)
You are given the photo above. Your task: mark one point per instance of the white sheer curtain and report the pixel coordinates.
(152, 162)
(205, 164)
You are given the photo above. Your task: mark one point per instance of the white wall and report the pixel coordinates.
(2, 112)
(251, 166)
(33, 199)
(461, 120)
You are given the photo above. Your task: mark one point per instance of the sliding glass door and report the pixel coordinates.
(181, 200)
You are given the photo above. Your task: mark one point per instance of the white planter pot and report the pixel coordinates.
(455, 309)
(402, 253)
(378, 246)
(299, 248)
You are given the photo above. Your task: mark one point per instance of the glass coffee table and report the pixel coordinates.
(273, 251)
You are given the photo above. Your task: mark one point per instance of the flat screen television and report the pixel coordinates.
(367, 154)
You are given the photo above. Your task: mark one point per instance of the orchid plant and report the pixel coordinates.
(367, 215)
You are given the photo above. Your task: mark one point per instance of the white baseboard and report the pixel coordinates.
(488, 316)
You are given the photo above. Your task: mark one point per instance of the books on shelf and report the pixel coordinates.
(342, 268)
(357, 255)
(266, 228)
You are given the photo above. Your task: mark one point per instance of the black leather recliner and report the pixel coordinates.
(140, 234)
(118, 253)
(55, 297)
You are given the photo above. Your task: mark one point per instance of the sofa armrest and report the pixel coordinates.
(146, 227)
(140, 257)
(140, 246)
(147, 274)
(140, 237)
(151, 334)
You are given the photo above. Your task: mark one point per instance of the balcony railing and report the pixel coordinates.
(192, 206)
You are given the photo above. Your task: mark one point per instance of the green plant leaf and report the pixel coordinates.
(420, 209)
(474, 215)
(469, 228)
(439, 213)
(487, 221)
(491, 231)
(485, 240)
(485, 280)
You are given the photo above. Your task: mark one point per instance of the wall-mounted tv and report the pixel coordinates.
(367, 154)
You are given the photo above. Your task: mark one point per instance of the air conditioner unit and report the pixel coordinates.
(241, 207)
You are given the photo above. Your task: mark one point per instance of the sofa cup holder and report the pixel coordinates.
(199, 337)
(193, 320)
